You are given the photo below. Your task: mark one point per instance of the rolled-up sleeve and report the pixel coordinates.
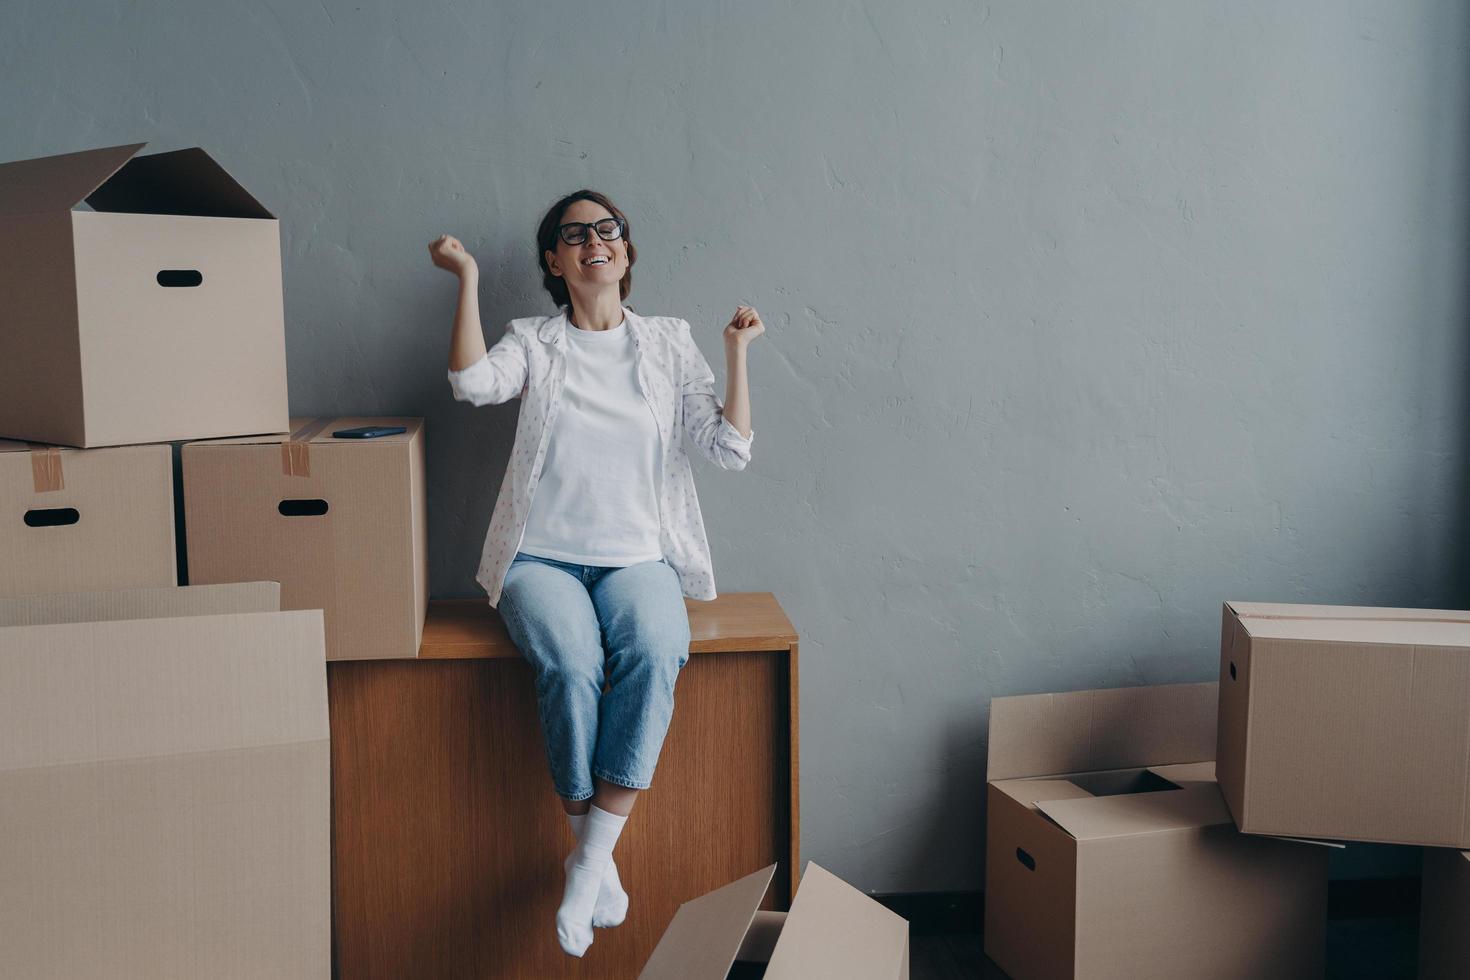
(497, 377)
(704, 421)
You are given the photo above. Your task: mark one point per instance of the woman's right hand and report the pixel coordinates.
(448, 254)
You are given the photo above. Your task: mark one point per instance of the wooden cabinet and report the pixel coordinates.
(448, 839)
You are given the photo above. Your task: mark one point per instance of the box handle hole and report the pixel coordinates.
(1026, 859)
(52, 517)
(180, 277)
(1232, 670)
(302, 508)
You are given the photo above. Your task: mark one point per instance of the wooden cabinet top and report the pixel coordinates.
(737, 621)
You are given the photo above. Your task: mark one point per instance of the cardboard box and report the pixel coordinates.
(832, 931)
(1444, 916)
(118, 604)
(164, 788)
(340, 523)
(85, 519)
(1110, 853)
(155, 316)
(1346, 723)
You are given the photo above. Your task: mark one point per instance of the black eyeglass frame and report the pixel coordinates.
(620, 230)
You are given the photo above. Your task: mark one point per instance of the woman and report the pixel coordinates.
(597, 535)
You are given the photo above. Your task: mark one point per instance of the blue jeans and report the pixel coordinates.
(583, 627)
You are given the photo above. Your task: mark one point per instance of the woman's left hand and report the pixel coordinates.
(743, 327)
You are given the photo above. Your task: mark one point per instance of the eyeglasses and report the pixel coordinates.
(608, 229)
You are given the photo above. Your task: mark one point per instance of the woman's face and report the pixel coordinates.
(594, 264)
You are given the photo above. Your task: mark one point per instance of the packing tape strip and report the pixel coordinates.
(46, 468)
(296, 450)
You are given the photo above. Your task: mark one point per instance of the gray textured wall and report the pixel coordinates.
(1083, 317)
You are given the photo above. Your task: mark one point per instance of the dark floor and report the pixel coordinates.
(1357, 949)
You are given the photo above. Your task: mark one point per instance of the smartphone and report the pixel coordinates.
(368, 432)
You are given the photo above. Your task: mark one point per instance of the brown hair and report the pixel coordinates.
(546, 241)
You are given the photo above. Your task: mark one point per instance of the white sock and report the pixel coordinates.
(612, 901)
(589, 861)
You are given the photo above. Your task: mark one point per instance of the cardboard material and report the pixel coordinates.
(832, 931)
(155, 316)
(164, 790)
(78, 520)
(340, 523)
(1133, 869)
(1346, 723)
(96, 607)
(1444, 917)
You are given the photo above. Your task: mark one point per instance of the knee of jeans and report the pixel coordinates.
(568, 672)
(665, 658)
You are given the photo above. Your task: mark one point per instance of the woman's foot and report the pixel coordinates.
(574, 917)
(612, 902)
(585, 870)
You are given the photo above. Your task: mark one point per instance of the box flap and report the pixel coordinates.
(1288, 610)
(184, 182)
(93, 692)
(1028, 791)
(835, 931)
(59, 183)
(706, 933)
(1138, 813)
(1187, 774)
(1406, 632)
(1116, 728)
(160, 603)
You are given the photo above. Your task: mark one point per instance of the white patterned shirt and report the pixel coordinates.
(529, 362)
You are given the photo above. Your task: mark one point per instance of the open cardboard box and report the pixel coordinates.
(832, 931)
(1346, 722)
(1110, 852)
(78, 519)
(340, 523)
(155, 316)
(164, 786)
(1444, 915)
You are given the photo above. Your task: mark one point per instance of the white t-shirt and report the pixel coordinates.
(597, 500)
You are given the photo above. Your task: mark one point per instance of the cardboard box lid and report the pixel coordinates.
(159, 603)
(131, 689)
(833, 930)
(705, 934)
(1406, 632)
(1089, 731)
(317, 430)
(1288, 610)
(181, 182)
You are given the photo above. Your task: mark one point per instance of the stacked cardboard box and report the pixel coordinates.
(1110, 853)
(154, 316)
(1353, 723)
(80, 519)
(164, 756)
(157, 316)
(1346, 723)
(340, 523)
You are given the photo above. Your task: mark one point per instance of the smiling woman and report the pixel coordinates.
(597, 536)
(588, 221)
